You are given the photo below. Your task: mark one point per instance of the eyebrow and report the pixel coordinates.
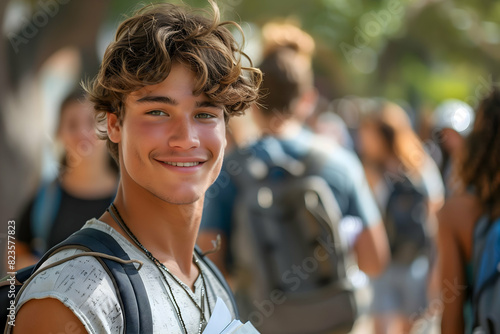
(158, 99)
(171, 101)
(207, 104)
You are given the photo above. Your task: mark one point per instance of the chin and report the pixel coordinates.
(181, 199)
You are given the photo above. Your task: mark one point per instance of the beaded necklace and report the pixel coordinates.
(204, 292)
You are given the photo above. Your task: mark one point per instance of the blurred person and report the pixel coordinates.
(478, 176)
(408, 189)
(288, 99)
(84, 188)
(167, 85)
(453, 121)
(325, 122)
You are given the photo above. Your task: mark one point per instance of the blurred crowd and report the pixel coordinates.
(407, 202)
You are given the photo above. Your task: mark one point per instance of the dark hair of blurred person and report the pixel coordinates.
(479, 178)
(453, 120)
(392, 154)
(85, 186)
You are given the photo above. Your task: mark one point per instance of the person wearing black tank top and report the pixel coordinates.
(84, 188)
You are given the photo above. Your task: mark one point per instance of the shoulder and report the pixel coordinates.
(47, 316)
(456, 221)
(83, 286)
(459, 210)
(343, 167)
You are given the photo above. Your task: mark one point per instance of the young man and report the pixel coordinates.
(166, 87)
(288, 98)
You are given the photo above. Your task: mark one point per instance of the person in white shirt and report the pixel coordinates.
(166, 87)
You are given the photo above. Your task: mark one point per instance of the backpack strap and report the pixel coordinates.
(130, 289)
(216, 272)
(43, 214)
(486, 256)
(480, 232)
(314, 162)
(253, 167)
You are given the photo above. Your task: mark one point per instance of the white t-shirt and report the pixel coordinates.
(84, 287)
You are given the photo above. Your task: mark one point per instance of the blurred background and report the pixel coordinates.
(417, 53)
(414, 52)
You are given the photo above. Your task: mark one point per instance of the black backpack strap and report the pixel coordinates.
(24, 273)
(126, 279)
(211, 266)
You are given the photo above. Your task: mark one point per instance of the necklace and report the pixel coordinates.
(204, 292)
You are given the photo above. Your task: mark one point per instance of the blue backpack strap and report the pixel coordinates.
(44, 213)
(128, 283)
(486, 257)
(210, 265)
(488, 261)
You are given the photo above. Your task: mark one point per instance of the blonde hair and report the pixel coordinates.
(278, 35)
(286, 66)
(395, 127)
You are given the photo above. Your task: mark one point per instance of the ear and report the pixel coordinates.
(114, 128)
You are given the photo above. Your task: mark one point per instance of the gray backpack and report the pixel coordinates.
(288, 257)
(486, 289)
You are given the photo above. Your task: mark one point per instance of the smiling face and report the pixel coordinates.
(171, 142)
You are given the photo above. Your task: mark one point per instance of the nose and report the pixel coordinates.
(183, 134)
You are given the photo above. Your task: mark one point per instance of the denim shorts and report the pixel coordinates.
(401, 289)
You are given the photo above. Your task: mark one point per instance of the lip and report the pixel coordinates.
(182, 169)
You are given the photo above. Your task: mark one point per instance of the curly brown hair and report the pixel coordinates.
(480, 163)
(148, 43)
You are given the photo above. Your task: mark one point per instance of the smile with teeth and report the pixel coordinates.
(182, 164)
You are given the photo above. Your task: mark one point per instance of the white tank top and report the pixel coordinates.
(84, 287)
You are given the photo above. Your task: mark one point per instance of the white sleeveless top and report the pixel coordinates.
(86, 289)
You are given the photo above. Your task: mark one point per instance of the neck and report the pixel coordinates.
(167, 230)
(281, 127)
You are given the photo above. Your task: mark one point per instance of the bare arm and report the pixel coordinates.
(451, 270)
(372, 250)
(47, 316)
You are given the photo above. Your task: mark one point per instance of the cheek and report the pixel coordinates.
(215, 141)
(365, 141)
(69, 139)
(370, 143)
(220, 141)
(142, 136)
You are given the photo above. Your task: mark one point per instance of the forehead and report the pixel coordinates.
(179, 86)
(75, 108)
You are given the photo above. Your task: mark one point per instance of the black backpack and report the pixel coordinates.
(288, 257)
(406, 221)
(123, 271)
(486, 288)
